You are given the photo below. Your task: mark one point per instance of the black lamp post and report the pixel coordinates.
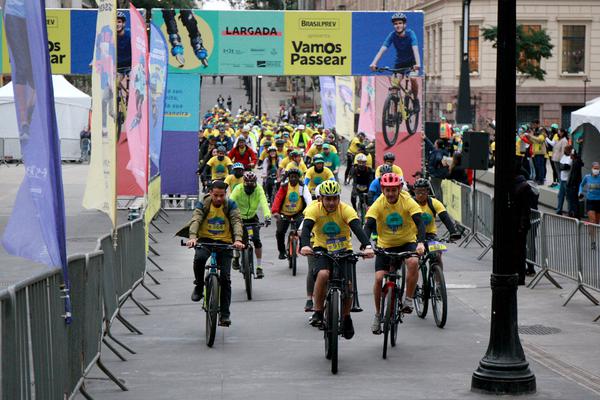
(463, 110)
(504, 369)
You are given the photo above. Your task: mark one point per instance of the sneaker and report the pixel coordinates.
(259, 273)
(348, 328)
(407, 306)
(282, 256)
(317, 319)
(197, 294)
(225, 320)
(235, 263)
(376, 327)
(308, 307)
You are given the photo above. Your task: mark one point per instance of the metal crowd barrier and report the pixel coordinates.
(466, 206)
(44, 358)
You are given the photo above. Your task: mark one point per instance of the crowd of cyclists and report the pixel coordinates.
(291, 172)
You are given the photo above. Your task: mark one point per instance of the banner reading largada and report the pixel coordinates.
(318, 43)
(100, 192)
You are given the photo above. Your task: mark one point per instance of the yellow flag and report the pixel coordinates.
(100, 192)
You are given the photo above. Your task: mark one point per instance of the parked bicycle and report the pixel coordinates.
(212, 290)
(399, 106)
(292, 243)
(432, 285)
(392, 292)
(247, 258)
(338, 290)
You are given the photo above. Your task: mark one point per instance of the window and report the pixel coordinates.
(528, 29)
(473, 43)
(573, 49)
(526, 114)
(565, 120)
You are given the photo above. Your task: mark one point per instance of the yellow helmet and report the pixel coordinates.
(330, 188)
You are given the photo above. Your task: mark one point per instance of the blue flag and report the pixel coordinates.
(159, 58)
(36, 228)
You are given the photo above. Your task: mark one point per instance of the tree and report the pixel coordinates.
(533, 44)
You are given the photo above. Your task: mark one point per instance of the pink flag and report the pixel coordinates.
(136, 123)
(366, 121)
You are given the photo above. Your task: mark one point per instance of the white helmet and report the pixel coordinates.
(318, 141)
(361, 158)
(301, 127)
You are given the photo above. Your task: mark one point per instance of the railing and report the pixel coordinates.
(558, 245)
(42, 357)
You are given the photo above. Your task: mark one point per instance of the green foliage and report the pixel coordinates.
(532, 46)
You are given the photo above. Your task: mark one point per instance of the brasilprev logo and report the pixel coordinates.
(319, 23)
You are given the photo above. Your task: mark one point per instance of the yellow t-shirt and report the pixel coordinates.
(331, 230)
(263, 155)
(208, 132)
(316, 178)
(427, 214)
(395, 169)
(232, 181)
(313, 151)
(292, 204)
(395, 226)
(294, 164)
(218, 169)
(353, 148)
(215, 226)
(369, 161)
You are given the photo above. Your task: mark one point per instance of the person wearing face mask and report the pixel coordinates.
(248, 198)
(362, 176)
(269, 175)
(219, 165)
(236, 177)
(317, 174)
(589, 189)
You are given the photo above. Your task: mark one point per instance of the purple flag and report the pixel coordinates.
(36, 228)
(158, 66)
(327, 84)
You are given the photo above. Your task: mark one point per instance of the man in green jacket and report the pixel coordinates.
(248, 197)
(216, 219)
(332, 160)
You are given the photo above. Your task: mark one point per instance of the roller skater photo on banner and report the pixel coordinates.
(191, 25)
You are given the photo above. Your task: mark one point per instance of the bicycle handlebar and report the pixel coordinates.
(210, 246)
(337, 256)
(402, 71)
(404, 254)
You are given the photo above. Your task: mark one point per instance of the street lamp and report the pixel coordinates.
(463, 111)
(504, 369)
(586, 80)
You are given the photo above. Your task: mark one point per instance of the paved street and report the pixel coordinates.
(270, 351)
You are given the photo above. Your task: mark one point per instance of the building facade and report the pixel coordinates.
(572, 73)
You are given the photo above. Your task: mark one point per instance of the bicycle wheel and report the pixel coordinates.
(412, 115)
(289, 250)
(439, 297)
(391, 120)
(212, 309)
(333, 327)
(395, 321)
(362, 210)
(387, 319)
(422, 292)
(293, 255)
(247, 265)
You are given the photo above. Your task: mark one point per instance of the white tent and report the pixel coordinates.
(72, 112)
(586, 121)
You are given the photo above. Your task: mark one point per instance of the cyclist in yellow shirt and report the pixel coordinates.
(236, 177)
(317, 174)
(295, 161)
(389, 158)
(330, 221)
(397, 219)
(219, 165)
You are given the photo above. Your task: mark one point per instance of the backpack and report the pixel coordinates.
(430, 204)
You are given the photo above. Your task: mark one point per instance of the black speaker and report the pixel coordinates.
(432, 131)
(475, 150)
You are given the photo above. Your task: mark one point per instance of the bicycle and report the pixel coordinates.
(247, 258)
(212, 289)
(399, 106)
(363, 202)
(293, 243)
(432, 285)
(391, 297)
(337, 292)
(270, 186)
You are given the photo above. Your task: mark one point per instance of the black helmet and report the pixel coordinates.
(385, 169)
(399, 17)
(421, 183)
(389, 156)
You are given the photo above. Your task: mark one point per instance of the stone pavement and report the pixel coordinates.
(270, 351)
